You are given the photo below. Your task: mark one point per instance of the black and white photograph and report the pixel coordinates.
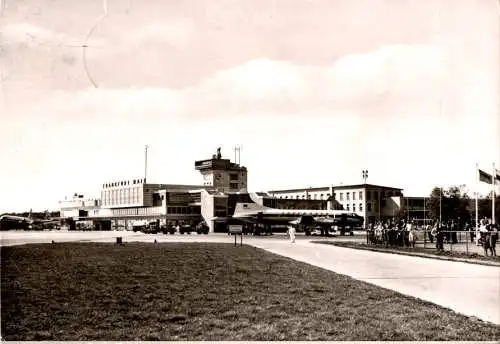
(250, 170)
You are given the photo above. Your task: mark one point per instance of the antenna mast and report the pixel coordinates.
(146, 163)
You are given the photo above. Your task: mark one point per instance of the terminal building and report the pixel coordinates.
(128, 203)
(372, 202)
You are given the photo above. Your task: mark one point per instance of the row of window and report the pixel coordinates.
(184, 210)
(354, 207)
(122, 196)
(368, 206)
(348, 195)
(304, 197)
(137, 211)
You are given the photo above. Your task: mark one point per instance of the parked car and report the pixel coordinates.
(202, 228)
(168, 229)
(185, 229)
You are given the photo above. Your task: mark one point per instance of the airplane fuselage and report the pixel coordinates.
(254, 213)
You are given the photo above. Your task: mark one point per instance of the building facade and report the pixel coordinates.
(222, 175)
(373, 202)
(414, 208)
(79, 206)
(133, 202)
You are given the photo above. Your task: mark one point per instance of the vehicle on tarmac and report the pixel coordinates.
(303, 219)
(202, 228)
(170, 229)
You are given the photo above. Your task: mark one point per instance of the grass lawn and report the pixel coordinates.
(399, 249)
(142, 291)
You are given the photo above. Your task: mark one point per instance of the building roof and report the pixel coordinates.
(327, 188)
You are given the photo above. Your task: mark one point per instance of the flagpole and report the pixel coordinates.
(477, 191)
(493, 195)
(440, 196)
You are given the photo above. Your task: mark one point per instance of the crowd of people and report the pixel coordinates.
(393, 233)
(404, 233)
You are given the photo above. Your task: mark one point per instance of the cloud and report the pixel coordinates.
(29, 35)
(379, 82)
(367, 107)
(177, 31)
(383, 83)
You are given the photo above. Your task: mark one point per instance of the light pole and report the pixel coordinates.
(364, 174)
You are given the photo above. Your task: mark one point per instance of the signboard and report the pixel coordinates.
(235, 229)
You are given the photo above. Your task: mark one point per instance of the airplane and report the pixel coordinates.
(302, 218)
(20, 222)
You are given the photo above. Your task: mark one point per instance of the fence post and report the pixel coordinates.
(467, 242)
(425, 236)
(451, 240)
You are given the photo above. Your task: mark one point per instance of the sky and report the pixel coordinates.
(314, 91)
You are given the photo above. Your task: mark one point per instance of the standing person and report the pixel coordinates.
(454, 228)
(439, 237)
(291, 233)
(472, 232)
(431, 232)
(482, 231)
(493, 239)
(409, 233)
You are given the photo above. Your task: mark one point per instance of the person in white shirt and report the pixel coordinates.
(291, 233)
(482, 229)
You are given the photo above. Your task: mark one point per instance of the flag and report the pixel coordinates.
(485, 177)
(497, 177)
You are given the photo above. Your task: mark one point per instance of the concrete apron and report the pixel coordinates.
(470, 289)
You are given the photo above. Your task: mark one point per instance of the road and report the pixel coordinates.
(466, 288)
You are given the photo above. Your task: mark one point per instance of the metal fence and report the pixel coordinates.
(452, 241)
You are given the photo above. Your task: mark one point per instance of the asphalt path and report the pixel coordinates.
(470, 289)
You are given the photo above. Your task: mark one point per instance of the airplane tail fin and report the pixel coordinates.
(243, 209)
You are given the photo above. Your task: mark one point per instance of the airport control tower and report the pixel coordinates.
(222, 175)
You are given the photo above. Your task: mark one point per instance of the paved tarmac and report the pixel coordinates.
(466, 288)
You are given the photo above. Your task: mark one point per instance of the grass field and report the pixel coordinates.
(142, 291)
(430, 251)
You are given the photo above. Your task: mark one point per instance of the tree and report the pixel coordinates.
(433, 202)
(484, 207)
(450, 204)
